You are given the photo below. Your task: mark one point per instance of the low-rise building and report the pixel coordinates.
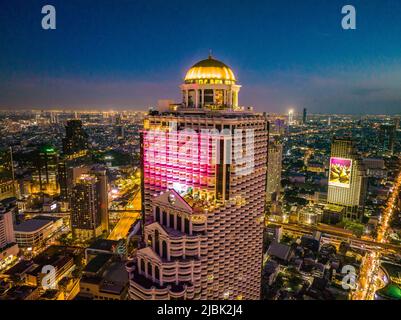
(104, 278)
(34, 232)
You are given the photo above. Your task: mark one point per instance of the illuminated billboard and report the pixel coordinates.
(340, 172)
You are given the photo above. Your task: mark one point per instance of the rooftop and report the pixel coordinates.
(210, 68)
(103, 244)
(32, 225)
(97, 263)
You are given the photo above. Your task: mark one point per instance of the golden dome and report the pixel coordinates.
(209, 69)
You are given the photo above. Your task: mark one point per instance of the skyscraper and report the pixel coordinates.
(387, 134)
(274, 165)
(89, 205)
(203, 213)
(6, 227)
(8, 185)
(347, 178)
(304, 116)
(291, 117)
(75, 143)
(45, 176)
(8, 245)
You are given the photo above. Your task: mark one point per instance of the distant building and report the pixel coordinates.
(387, 135)
(375, 168)
(291, 117)
(75, 143)
(274, 166)
(397, 123)
(304, 116)
(347, 178)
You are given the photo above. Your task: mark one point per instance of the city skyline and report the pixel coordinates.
(207, 151)
(129, 55)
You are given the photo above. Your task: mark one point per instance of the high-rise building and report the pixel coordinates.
(62, 178)
(6, 227)
(347, 178)
(387, 134)
(203, 213)
(8, 246)
(397, 123)
(290, 117)
(75, 143)
(89, 204)
(8, 184)
(45, 174)
(53, 117)
(304, 116)
(274, 166)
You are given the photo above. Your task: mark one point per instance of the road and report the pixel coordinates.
(120, 231)
(368, 279)
(338, 235)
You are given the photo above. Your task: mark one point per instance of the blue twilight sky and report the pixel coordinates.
(120, 54)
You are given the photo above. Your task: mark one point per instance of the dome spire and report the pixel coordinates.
(210, 54)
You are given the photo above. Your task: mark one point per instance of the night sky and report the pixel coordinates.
(117, 54)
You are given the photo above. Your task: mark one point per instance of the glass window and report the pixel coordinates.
(157, 214)
(179, 223)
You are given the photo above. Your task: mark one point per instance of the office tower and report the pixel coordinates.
(75, 143)
(274, 165)
(291, 117)
(203, 216)
(44, 177)
(329, 122)
(387, 134)
(304, 116)
(89, 205)
(347, 178)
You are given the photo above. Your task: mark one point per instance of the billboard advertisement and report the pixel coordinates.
(340, 172)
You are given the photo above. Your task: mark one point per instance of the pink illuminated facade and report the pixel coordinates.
(204, 181)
